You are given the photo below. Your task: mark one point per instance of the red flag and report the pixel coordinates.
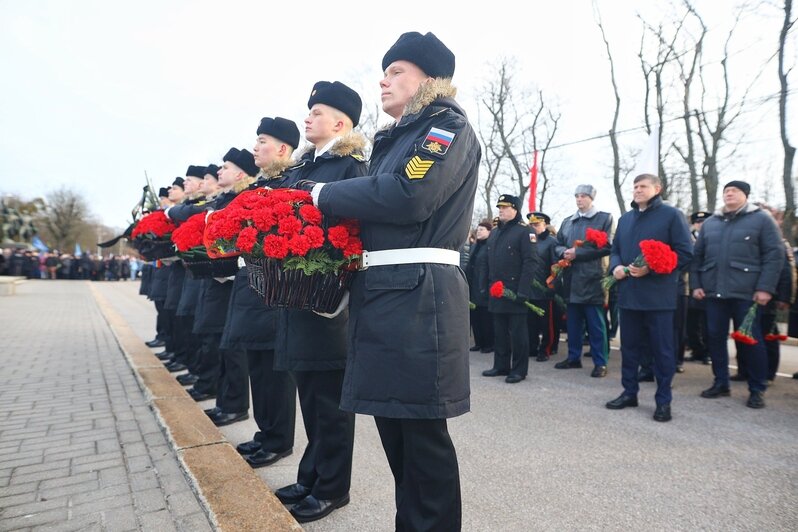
(533, 182)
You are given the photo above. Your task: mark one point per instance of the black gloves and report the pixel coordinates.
(304, 184)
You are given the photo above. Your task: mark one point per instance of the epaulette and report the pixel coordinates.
(357, 157)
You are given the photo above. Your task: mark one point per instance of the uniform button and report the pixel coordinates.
(745, 269)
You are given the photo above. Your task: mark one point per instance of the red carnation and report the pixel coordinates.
(338, 236)
(744, 334)
(275, 247)
(315, 236)
(264, 219)
(289, 226)
(247, 239)
(155, 224)
(299, 245)
(310, 214)
(599, 238)
(189, 234)
(354, 247)
(497, 289)
(659, 256)
(283, 209)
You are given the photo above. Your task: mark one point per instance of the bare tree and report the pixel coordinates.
(64, 217)
(616, 157)
(789, 150)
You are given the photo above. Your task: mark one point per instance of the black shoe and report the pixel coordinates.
(542, 358)
(248, 447)
(738, 378)
(200, 396)
(486, 350)
(568, 364)
(312, 509)
(662, 413)
(212, 411)
(174, 367)
(187, 379)
(645, 376)
(679, 368)
(220, 419)
(621, 402)
(493, 372)
(512, 379)
(164, 355)
(707, 362)
(475, 348)
(156, 342)
(292, 494)
(755, 400)
(262, 458)
(599, 371)
(716, 391)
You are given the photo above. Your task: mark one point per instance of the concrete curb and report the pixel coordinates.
(233, 495)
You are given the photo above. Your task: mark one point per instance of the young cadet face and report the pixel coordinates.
(209, 185)
(265, 150)
(176, 193)
(400, 83)
(192, 184)
(229, 173)
(322, 124)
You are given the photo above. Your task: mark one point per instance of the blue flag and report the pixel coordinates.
(38, 244)
(78, 251)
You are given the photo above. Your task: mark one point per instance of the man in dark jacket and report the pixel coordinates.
(477, 274)
(582, 282)
(647, 300)
(313, 347)
(696, 313)
(408, 353)
(511, 260)
(738, 258)
(251, 325)
(542, 336)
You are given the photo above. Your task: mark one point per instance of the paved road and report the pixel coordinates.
(79, 447)
(546, 455)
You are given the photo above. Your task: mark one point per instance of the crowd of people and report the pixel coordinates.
(731, 266)
(56, 265)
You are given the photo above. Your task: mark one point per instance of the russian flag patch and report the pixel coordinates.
(438, 141)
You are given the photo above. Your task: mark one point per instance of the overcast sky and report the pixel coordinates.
(95, 93)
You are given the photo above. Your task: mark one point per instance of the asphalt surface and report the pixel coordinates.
(545, 454)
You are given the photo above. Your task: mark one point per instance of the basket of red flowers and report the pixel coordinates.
(152, 236)
(188, 239)
(295, 258)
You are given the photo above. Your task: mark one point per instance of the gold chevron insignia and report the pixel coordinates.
(417, 167)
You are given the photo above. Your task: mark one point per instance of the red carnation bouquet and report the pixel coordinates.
(154, 226)
(774, 335)
(151, 236)
(284, 225)
(593, 238)
(188, 237)
(744, 333)
(657, 255)
(499, 291)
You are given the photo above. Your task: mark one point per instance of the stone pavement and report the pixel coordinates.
(545, 454)
(79, 447)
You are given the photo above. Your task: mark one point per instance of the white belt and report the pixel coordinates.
(388, 257)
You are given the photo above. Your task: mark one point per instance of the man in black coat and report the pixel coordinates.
(647, 300)
(543, 330)
(313, 347)
(582, 282)
(251, 325)
(511, 260)
(408, 353)
(696, 313)
(477, 275)
(738, 259)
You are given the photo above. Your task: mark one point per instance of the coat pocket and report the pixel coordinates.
(394, 277)
(744, 266)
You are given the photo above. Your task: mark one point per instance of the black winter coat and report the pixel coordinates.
(546, 255)
(477, 273)
(657, 222)
(146, 278)
(582, 280)
(512, 259)
(737, 254)
(159, 283)
(174, 289)
(306, 341)
(188, 296)
(408, 323)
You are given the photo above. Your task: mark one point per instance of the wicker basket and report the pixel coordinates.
(294, 289)
(207, 268)
(155, 249)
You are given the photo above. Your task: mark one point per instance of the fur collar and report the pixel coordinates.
(275, 169)
(351, 143)
(429, 92)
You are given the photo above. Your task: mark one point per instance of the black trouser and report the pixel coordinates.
(273, 401)
(697, 332)
(326, 466)
(482, 325)
(424, 466)
(187, 344)
(233, 386)
(208, 363)
(541, 328)
(680, 328)
(511, 351)
(171, 342)
(162, 325)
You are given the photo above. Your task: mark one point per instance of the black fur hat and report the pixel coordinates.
(243, 159)
(281, 129)
(336, 94)
(425, 51)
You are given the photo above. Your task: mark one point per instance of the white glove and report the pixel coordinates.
(224, 279)
(341, 306)
(315, 193)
